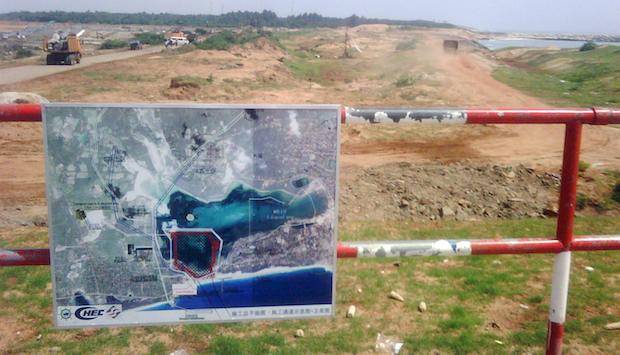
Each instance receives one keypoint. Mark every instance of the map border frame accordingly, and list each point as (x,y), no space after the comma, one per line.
(335,107)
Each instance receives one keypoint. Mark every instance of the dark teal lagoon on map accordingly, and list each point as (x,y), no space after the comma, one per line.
(242,212)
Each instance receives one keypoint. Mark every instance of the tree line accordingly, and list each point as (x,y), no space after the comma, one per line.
(231,19)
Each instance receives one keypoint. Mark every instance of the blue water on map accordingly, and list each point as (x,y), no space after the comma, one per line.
(301,287)
(242,212)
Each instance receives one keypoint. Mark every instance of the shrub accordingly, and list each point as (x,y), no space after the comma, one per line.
(190,81)
(583,166)
(150,37)
(220,41)
(183,49)
(406,45)
(23,53)
(224,40)
(404,80)
(588,46)
(582,201)
(615,194)
(113,43)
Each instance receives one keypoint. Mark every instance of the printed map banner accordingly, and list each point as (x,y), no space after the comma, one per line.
(179,214)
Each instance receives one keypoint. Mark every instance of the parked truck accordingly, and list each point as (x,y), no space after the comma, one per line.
(63,48)
(450,45)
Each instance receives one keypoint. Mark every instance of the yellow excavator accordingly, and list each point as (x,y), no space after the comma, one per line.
(63,48)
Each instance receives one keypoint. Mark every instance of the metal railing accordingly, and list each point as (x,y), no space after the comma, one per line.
(561,245)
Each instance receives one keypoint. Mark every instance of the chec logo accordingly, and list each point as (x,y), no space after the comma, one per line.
(65,313)
(93,312)
(113,311)
(88,313)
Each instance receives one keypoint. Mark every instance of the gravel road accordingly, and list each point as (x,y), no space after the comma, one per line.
(29,72)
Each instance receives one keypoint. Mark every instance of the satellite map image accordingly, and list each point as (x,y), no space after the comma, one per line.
(170,214)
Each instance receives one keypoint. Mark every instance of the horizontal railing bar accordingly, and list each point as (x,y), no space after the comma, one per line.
(24,257)
(20,113)
(404,248)
(446,247)
(596,243)
(596,116)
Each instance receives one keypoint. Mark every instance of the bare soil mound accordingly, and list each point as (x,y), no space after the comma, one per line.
(453,192)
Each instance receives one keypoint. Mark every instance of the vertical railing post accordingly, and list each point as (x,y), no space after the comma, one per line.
(564,233)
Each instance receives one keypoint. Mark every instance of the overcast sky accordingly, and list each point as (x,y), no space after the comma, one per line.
(561,16)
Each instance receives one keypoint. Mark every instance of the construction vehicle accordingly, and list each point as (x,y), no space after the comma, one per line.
(176,39)
(63,48)
(450,45)
(135,45)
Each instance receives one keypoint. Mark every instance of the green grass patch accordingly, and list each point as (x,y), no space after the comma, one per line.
(246,345)
(191,81)
(158,348)
(405,80)
(224,40)
(615,195)
(113,44)
(322,71)
(406,45)
(458,294)
(105,75)
(149,38)
(567,77)
(22,52)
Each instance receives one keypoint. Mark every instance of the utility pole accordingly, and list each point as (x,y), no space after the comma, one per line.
(346,54)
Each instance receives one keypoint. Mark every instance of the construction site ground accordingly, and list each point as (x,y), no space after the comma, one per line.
(397,181)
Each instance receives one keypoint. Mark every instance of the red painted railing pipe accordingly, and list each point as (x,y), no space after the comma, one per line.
(495,247)
(597,116)
(555,334)
(530,116)
(24,257)
(499,246)
(20,113)
(597,243)
(594,116)
(568,187)
(564,234)
(345,251)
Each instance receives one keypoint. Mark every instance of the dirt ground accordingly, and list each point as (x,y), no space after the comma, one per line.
(400,171)
(257,73)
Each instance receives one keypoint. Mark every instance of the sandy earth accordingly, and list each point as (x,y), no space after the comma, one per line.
(466,81)
(457,80)
(379,160)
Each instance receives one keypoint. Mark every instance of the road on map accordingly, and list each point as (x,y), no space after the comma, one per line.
(29,72)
